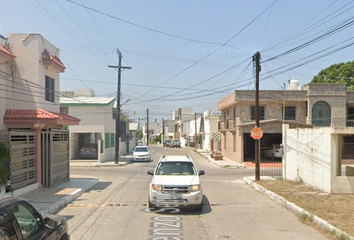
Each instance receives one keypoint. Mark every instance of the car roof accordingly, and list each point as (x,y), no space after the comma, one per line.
(175,158)
(7,200)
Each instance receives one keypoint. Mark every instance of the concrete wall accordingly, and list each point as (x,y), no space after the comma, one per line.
(308,157)
(210,126)
(313,156)
(5,82)
(30,72)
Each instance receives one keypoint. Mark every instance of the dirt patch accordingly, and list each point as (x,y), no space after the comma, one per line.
(337,209)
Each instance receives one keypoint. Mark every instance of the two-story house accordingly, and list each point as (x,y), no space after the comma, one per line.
(315,105)
(30,120)
(97,124)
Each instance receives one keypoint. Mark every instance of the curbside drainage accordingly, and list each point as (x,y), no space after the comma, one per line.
(297,210)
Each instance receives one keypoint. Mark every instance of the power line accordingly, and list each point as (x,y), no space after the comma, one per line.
(316,25)
(146,28)
(72,20)
(71,34)
(229,40)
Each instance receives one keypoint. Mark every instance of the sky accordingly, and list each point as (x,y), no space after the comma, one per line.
(185,54)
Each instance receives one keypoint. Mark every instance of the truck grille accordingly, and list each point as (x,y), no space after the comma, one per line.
(175,189)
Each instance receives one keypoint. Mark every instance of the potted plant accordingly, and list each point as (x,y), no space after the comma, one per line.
(4,173)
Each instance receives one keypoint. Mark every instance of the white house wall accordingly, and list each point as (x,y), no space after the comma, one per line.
(29,68)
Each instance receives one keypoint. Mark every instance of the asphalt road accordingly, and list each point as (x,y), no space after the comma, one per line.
(116,208)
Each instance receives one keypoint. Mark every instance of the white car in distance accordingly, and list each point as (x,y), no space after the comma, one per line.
(141,153)
(175,183)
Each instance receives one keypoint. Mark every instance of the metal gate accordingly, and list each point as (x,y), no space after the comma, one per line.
(22,146)
(55,157)
(269,165)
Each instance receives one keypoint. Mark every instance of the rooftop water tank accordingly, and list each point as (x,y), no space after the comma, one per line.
(294,85)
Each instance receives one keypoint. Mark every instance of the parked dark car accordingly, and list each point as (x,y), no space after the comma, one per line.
(166,143)
(20,220)
(89,151)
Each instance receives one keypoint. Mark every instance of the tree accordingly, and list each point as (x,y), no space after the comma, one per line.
(4,159)
(337,73)
(157,139)
(140,134)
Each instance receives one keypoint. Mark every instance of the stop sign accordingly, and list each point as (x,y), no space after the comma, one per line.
(256,133)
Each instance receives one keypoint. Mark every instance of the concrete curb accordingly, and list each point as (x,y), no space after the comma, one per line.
(299,211)
(68,199)
(221,163)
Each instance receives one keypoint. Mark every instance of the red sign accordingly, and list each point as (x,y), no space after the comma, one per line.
(256,133)
(195,135)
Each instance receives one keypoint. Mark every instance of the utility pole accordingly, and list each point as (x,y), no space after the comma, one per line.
(119,69)
(256,59)
(163,131)
(147,127)
(195,134)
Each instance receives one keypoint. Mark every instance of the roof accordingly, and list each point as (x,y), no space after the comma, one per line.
(275,121)
(5,52)
(54,61)
(38,116)
(175,158)
(86,101)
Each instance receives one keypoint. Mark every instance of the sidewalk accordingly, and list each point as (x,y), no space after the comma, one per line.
(123,161)
(51,200)
(225,163)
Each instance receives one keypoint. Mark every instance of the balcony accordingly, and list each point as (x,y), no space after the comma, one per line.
(350,123)
(222,126)
(230,124)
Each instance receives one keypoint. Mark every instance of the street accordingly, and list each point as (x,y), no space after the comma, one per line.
(116,208)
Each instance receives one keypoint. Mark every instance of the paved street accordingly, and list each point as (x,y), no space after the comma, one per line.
(116,208)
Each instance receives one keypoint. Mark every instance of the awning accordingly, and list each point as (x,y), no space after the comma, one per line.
(38,116)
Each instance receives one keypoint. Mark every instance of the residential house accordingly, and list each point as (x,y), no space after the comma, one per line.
(322,156)
(169,127)
(209,132)
(97,124)
(238,119)
(155,129)
(133,136)
(30,117)
(317,139)
(196,129)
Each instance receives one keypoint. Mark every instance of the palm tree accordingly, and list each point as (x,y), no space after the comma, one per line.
(4,159)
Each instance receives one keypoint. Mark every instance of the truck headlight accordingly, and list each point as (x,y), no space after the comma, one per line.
(194,188)
(156,187)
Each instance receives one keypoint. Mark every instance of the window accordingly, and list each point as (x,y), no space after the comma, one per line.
(28,219)
(106,140)
(260,113)
(49,89)
(290,113)
(112,139)
(321,114)
(234,113)
(7,230)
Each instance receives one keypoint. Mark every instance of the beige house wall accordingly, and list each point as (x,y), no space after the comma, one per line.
(274,101)
(28,86)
